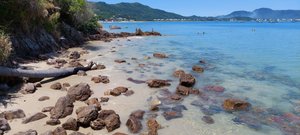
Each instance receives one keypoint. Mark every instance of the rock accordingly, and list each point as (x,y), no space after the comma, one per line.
(117,91)
(182,90)
(139,114)
(47,109)
(178,73)
(66,85)
(112,122)
(63,107)
(86,115)
(37,84)
(194,91)
(153,126)
(129,93)
(28,132)
(81,73)
(187,80)
(202,61)
(43,98)
(98,67)
(28,88)
(118,133)
(134,125)
(4,126)
(160,55)
(154,104)
(235,105)
(136,81)
(80,92)
(61,61)
(13,114)
(157,83)
(104,99)
(49,132)
(208,119)
(97,124)
(53,122)
(103,79)
(198,69)
(51,62)
(74,55)
(56,86)
(59,131)
(168,115)
(214,88)
(34,117)
(105,113)
(71,124)
(75,64)
(95,102)
(175,97)
(77,133)
(120,61)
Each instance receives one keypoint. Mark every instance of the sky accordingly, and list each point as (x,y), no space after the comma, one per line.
(212,7)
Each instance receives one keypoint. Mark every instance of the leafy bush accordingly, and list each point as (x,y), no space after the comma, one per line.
(5,47)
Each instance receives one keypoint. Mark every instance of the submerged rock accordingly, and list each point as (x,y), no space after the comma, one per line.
(160,55)
(153,126)
(136,81)
(178,73)
(187,80)
(34,117)
(214,88)
(208,119)
(13,114)
(168,115)
(120,61)
(182,90)
(139,114)
(129,93)
(134,125)
(63,107)
(157,83)
(80,92)
(235,105)
(198,69)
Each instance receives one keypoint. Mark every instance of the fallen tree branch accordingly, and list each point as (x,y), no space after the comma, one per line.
(10,72)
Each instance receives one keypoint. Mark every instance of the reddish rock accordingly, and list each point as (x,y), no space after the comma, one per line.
(235,105)
(175,97)
(71,124)
(97,124)
(160,55)
(86,115)
(63,107)
(139,114)
(80,92)
(198,69)
(178,73)
(13,114)
(34,117)
(56,86)
(182,90)
(103,79)
(214,88)
(117,91)
(112,122)
(53,122)
(95,102)
(187,80)
(195,92)
(168,115)
(153,126)
(43,98)
(134,125)
(105,113)
(157,83)
(59,131)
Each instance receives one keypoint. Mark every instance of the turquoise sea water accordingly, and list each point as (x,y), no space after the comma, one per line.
(256,62)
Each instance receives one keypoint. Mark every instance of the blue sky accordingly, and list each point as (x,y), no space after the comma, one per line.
(212,7)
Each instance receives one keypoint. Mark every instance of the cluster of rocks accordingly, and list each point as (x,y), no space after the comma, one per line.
(100,79)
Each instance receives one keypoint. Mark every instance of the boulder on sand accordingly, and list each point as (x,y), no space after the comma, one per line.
(117,91)
(28,88)
(86,115)
(80,92)
(13,114)
(56,86)
(71,124)
(63,107)
(34,117)
(4,126)
(134,125)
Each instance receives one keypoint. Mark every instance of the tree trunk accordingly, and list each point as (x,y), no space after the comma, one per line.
(10,72)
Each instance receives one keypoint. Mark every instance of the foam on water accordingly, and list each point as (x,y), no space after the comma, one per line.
(256,62)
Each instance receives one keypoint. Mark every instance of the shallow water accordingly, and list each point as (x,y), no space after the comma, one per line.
(257,62)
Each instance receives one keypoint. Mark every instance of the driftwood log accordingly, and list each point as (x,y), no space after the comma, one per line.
(10,72)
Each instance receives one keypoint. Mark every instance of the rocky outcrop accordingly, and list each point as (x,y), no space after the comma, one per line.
(63,107)
(80,92)
(157,83)
(34,117)
(235,105)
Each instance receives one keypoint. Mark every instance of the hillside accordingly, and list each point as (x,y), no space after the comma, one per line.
(265,13)
(134,11)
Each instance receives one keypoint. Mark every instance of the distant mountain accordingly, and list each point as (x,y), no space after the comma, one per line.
(134,11)
(265,13)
